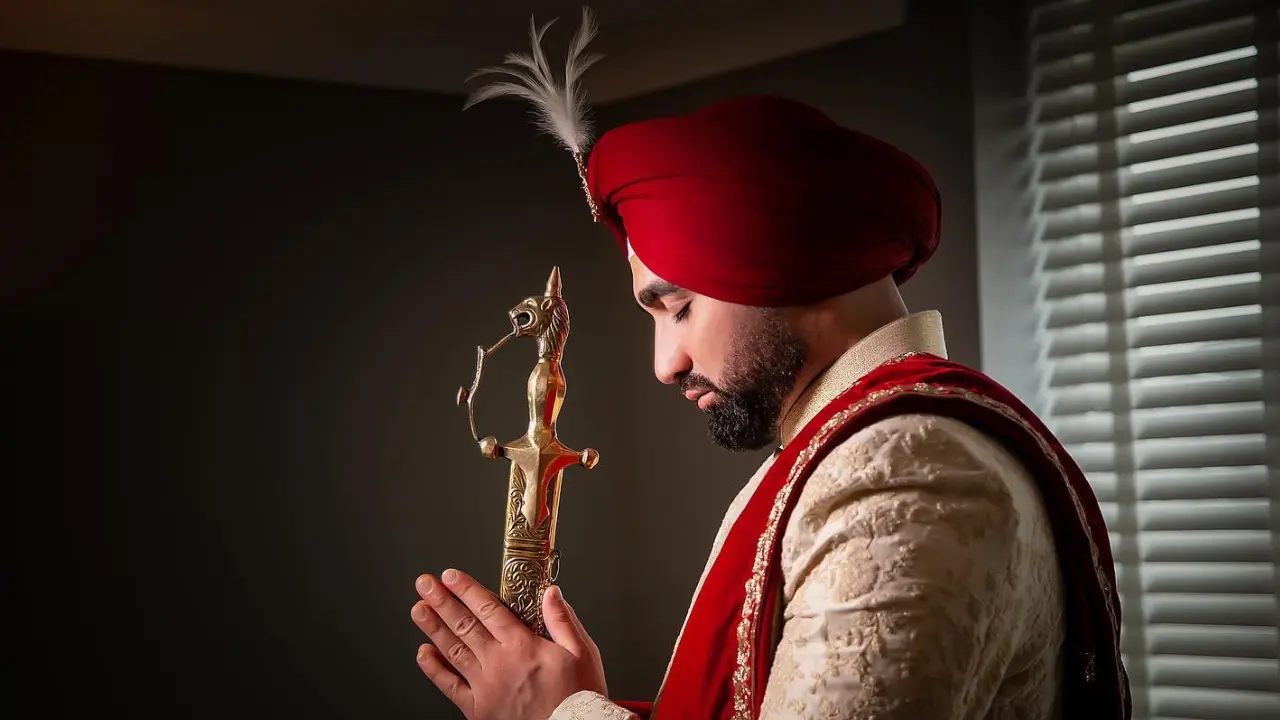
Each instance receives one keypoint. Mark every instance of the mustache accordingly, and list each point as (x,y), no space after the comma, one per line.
(693,381)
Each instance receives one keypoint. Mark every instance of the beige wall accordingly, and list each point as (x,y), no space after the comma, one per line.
(235,312)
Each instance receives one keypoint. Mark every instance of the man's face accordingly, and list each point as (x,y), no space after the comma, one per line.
(738,363)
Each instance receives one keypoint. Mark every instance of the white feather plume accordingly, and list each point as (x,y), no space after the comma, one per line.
(560,109)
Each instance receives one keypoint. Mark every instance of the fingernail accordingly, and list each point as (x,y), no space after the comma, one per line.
(422,652)
(425,584)
(555,593)
(449,576)
(419,612)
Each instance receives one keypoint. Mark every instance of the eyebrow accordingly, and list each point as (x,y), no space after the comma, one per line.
(655,291)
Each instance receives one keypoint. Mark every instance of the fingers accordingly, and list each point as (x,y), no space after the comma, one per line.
(462,621)
(454,651)
(562,623)
(454,630)
(433,665)
(574,614)
(582,630)
(496,620)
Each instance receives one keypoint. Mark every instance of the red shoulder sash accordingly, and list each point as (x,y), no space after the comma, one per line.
(721,666)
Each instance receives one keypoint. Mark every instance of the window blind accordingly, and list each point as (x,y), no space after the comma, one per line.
(1157,184)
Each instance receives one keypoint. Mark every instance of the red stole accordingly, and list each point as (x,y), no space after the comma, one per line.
(721,666)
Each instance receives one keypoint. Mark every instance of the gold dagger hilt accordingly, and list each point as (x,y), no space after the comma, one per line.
(538,459)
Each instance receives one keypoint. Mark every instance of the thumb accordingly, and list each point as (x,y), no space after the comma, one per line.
(562,623)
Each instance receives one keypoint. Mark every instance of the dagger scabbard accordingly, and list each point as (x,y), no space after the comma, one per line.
(537,459)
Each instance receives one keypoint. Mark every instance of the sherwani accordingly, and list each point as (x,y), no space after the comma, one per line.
(919,575)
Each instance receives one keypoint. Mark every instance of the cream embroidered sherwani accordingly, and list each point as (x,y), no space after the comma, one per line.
(920,577)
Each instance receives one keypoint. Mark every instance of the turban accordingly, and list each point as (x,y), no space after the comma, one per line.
(763,201)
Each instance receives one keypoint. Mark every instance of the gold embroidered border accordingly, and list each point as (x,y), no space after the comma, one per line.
(742,675)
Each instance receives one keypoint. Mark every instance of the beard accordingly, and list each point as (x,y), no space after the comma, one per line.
(760,371)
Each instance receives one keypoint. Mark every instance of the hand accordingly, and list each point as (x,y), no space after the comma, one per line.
(489,663)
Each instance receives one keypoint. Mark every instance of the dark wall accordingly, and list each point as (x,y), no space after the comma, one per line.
(238,318)
(1004,171)
(234,315)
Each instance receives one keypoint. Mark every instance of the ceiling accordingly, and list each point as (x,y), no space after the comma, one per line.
(648,44)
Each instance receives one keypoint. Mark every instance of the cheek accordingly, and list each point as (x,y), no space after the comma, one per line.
(709,341)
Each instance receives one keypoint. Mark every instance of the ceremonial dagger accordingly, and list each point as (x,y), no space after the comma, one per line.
(530,560)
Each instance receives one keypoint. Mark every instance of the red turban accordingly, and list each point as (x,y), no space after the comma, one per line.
(764,201)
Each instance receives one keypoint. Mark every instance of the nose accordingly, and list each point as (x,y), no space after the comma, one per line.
(670,361)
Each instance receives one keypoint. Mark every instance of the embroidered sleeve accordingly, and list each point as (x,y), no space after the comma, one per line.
(587,705)
(909,582)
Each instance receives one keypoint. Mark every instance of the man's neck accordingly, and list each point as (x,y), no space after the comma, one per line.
(826,348)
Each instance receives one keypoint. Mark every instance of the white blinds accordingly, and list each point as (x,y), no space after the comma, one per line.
(1158,208)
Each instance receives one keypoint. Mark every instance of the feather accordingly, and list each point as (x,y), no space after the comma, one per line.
(559,109)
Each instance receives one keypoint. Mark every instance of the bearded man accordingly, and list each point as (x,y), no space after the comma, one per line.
(918,545)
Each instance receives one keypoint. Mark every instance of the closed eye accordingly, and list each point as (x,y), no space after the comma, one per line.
(682,313)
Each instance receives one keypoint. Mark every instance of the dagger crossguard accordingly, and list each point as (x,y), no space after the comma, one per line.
(538,459)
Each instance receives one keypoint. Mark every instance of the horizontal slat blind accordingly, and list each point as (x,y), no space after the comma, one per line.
(1158,192)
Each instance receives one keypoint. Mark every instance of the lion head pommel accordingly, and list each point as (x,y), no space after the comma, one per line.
(544,317)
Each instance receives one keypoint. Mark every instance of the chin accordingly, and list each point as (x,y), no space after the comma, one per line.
(739,438)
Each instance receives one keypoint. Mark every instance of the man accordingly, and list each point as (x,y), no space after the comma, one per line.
(918,546)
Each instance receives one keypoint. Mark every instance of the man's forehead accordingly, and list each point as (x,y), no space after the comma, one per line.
(648,287)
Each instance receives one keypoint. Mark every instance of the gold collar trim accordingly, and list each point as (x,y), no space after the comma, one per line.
(919,332)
